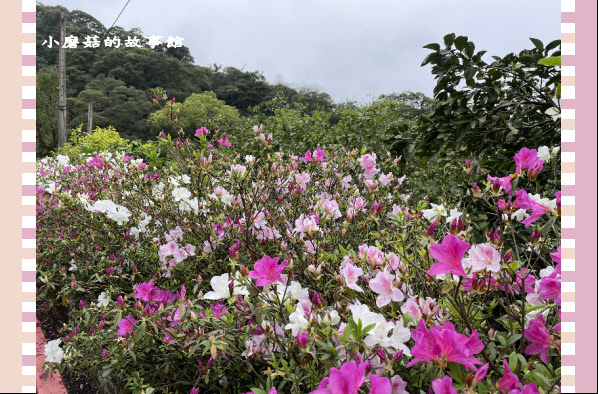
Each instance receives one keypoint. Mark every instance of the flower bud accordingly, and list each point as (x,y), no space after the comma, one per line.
(302,338)
(81,304)
(397,356)
(73,283)
(105,354)
(476,190)
(138,306)
(535,237)
(432,227)
(120,303)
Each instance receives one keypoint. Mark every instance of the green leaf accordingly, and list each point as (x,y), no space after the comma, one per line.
(538,44)
(539,378)
(513,339)
(367,329)
(551,61)
(149,390)
(139,332)
(552,45)
(449,39)
(456,372)
(470,72)
(513,360)
(547,227)
(433,46)
(460,42)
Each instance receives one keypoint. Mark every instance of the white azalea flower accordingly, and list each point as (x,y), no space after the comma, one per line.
(434,212)
(103,300)
(297,321)
(53,352)
(220,286)
(181,193)
(544,153)
(454,214)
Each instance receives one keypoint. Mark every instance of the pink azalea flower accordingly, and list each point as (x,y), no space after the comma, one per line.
(194,390)
(319,155)
(224,140)
(380,385)
(485,257)
(201,131)
(526,159)
(509,380)
(504,182)
(351,274)
(481,374)
(556,257)
(307,156)
(449,255)
(126,326)
(550,288)
(347,380)
(523,201)
(443,344)
(539,337)
(530,388)
(267,270)
(398,385)
(444,386)
(382,285)
(145,291)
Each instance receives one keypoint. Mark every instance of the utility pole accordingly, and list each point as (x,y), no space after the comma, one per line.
(89,117)
(62,81)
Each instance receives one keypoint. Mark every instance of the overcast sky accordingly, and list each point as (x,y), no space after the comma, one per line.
(351,49)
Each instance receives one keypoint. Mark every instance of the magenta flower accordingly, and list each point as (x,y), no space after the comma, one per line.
(302,338)
(509,380)
(526,159)
(539,337)
(556,257)
(550,288)
(320,154)
(224,140)
(505,182)
(481,374)
(443,344)
(380,385)
(530,388)
(444,386)
(382,285)
(201,131)
(347,380)
(218,310)
(194,390)
(267,270)
(105,353)
(449,255)
(126,326)
(145,291)
(523,201)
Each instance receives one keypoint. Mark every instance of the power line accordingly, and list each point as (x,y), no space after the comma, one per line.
(121,11)
(108,31)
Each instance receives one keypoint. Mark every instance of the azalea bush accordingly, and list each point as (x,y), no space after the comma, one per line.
(299,273)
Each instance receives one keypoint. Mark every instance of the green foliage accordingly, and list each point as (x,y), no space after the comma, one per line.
(194,113)
(124,107)
(488,110)
(46,110)
(101,140)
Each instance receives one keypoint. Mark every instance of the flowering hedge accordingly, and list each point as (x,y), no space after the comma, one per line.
(310,273)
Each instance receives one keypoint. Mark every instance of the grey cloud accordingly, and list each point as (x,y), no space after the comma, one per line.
(349,48)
